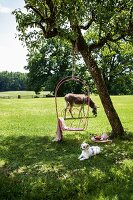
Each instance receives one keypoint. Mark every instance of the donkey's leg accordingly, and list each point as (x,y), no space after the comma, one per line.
(67,105)
(80,110)
(70,110)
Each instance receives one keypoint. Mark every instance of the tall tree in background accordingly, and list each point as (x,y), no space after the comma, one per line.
(116,64)
(52,61)
(110,20)
(48,64)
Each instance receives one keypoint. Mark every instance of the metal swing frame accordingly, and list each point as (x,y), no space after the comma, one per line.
(60,83)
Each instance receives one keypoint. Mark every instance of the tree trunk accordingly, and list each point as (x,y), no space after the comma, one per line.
(117,128)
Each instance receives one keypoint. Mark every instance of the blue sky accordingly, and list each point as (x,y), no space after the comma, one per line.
(12,53)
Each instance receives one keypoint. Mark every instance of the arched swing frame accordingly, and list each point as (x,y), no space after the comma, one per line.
(76,79)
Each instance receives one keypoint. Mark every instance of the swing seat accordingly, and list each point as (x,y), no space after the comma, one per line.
(66,128)
(61,126)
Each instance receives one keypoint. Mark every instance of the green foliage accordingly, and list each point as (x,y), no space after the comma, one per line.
(34,167)
(53,61)
(116,66)
(108,19)
(12,81)
(48,64)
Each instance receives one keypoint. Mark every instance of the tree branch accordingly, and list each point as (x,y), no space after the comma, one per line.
(100,43)
(104,40)
(36,11)
(48,29)
(86,26)
(89,23)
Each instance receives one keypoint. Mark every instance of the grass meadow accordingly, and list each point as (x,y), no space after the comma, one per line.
(33,167)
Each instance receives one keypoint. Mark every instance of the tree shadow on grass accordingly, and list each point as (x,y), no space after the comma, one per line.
(36,168)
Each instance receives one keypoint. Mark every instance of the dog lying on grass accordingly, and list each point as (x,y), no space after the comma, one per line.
(88,151)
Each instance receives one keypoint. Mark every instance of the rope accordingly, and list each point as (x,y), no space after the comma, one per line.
(74,50)
(73,62)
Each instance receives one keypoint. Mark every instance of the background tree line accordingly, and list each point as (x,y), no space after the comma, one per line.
(13,81)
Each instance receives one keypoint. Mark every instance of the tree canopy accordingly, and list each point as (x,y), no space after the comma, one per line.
(49,64)
(108,20)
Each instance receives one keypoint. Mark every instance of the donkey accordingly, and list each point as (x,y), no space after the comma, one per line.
(80,100)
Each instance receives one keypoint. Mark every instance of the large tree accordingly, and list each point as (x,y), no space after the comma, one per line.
(110,20)
(48,64)
(116,63)
(52,61)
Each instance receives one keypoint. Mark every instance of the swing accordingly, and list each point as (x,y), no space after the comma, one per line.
(70,123)
(79,120)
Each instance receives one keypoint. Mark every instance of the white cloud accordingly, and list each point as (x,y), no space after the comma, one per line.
(4,9)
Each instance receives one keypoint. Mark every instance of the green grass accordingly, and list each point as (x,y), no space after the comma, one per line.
(34,167)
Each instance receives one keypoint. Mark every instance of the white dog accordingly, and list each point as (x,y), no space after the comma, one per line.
(88,151)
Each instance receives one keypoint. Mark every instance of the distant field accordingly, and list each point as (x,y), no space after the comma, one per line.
(34,167)
(23,94)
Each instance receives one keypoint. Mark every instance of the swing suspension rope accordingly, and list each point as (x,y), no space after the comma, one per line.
(74,51)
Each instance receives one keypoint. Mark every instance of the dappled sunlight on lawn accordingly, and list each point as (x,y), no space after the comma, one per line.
(36,163)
